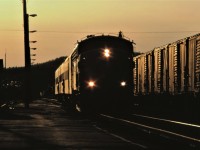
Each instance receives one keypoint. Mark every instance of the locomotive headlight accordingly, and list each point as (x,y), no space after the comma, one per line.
(123,83)
(106,52)
(91,84)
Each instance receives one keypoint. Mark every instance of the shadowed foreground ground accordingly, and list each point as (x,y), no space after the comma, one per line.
(46,126)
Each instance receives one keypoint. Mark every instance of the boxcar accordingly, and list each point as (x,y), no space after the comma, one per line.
(172,69)
(167,79)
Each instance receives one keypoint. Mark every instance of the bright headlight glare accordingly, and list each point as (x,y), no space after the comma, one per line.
(123,83)
(107,53)
(91,84)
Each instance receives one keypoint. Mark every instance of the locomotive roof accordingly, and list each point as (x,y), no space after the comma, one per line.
(101,36)
(98,38)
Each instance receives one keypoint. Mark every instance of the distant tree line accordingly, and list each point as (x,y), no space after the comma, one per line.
(12,81)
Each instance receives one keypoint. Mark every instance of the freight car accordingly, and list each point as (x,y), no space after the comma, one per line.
(98,75)
(171,69)
(170,73)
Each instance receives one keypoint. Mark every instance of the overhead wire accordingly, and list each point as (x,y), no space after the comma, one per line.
(139,32)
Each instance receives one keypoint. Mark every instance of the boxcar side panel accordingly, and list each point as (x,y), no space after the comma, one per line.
(149,72)
(135,76)
(141,74)
(156,71)
(191,67)
(197,67)
(152,72)
(165,69)
(171,70)
(183,66)
(145,85)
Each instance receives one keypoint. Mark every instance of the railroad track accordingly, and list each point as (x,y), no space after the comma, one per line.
(182,129)
(148,132)
(155,132)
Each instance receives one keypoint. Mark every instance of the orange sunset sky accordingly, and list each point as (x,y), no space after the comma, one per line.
(60,23)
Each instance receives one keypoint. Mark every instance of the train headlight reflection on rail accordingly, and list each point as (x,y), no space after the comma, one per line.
(106,52)
(123,83)
(91,84)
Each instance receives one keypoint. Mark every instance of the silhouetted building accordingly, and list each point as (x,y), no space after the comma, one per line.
(1,64)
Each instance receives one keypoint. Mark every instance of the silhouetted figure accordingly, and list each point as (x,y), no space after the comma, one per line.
(121,34)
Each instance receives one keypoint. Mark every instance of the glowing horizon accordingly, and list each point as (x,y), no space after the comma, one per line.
(60,23)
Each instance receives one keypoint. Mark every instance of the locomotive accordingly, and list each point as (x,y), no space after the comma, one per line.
(98,75)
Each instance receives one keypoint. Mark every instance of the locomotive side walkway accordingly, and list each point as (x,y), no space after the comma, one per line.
(46,126)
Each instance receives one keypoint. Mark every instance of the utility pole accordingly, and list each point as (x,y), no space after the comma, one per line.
(27,88)
(26,36)
(5,60)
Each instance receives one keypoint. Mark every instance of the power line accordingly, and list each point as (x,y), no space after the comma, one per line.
(138,32)
(9,30)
